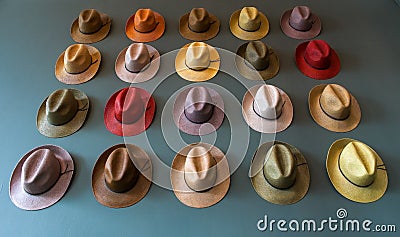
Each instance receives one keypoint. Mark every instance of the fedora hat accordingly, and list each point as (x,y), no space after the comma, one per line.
(62,113)
(196,107)
(255,60)
(91,26)
(356,171)
(41,177)
(317,60)
(145,26)
(200,175)
(77,64)
(267,109)
(249,24)
(137,63)
(300,23)
(129,111)
(197,62)
(279,173)
(199,25)
(121,176)
(334,108)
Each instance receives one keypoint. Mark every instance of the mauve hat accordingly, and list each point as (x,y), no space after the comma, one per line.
(145,26)
(200,175)
(137,63)
(356,171)
(334,108)
(129,111)
(199,25)
(279,173)
(198,110)
(267,109)
(300,23)
(91,26)
(317,60)
(77,64)
(62,113)
(41,177)
(249,24)
(257,61)
(121,176)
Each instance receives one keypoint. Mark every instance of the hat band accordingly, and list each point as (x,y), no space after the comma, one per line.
(277,117)
(143,69)
(92,32)
(202,69)
(75,73)
(294,181)
(303,30)
(155,26)
(319,65)
(209,25)
(342,119)
(212,112)
(250,30)
(251,66)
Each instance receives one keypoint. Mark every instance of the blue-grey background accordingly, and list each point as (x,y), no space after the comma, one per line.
(365,34)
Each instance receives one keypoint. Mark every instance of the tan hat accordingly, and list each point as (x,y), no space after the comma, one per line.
(356,171)
(199,25)
(197,62)
(334,108)
(91,26)
(121,176)
(77,64)
(200,175)
(145,26)
(249,24)
(279,173)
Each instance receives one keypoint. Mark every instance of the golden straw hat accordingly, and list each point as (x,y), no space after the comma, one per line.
(249,24)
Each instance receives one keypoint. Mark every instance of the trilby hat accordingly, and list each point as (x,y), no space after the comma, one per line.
(300,23)
(249,24)
(145,26)
(91,26)
(199,25)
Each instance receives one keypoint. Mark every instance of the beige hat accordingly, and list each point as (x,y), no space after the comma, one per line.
(91,26)
(249,24)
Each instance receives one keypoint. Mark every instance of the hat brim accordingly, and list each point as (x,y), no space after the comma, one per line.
(347,189)
(327,122)
(30,202)
(120,129)
(82,38)
(289,31)
(319,74)
(193,75)
(200,199)
(261,124)
(50,130)
(112,199)
(131,77)
(187,33)
(274,195)
(153,35)
(248,35)
(249,72)
(68,78)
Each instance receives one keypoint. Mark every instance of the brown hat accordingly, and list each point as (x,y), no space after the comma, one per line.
(62,113)
(279,173)
(121,176)
(137,63)
(255,60)
(267,109)
(249,24)
(334,108)
(91,26)
(77,64)
(200,175)
(145,26)
(41,177)
(300,23)
(199,25)
(356,171)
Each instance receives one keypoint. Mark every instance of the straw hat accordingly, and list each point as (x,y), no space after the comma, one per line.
(137,63)
(356,171)
(199,25)
(145,26)
(300,23)
(121,176)
(334,108)
(77,64)
(62,113)
(200,175)
(91,26)
(279,173)
(249,24)
(267,109)
(41,177)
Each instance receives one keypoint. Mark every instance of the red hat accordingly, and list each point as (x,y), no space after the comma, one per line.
(316,59)
(129,111)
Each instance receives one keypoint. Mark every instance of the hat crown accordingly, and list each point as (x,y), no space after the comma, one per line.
(199,20)
(120,173)
(197,56)
(145,20)
(249,19)
(40,171)
(77,59)
(199,106)
(257,54)
(300,18)
(137,57)
(317,54)
(268,102)
(129,106)
(61,107)
(89,21)
(358,163)
(335,101)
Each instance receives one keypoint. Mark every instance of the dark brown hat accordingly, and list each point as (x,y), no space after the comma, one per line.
(199,25)
(91,26)
(300,23)
(145,26)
